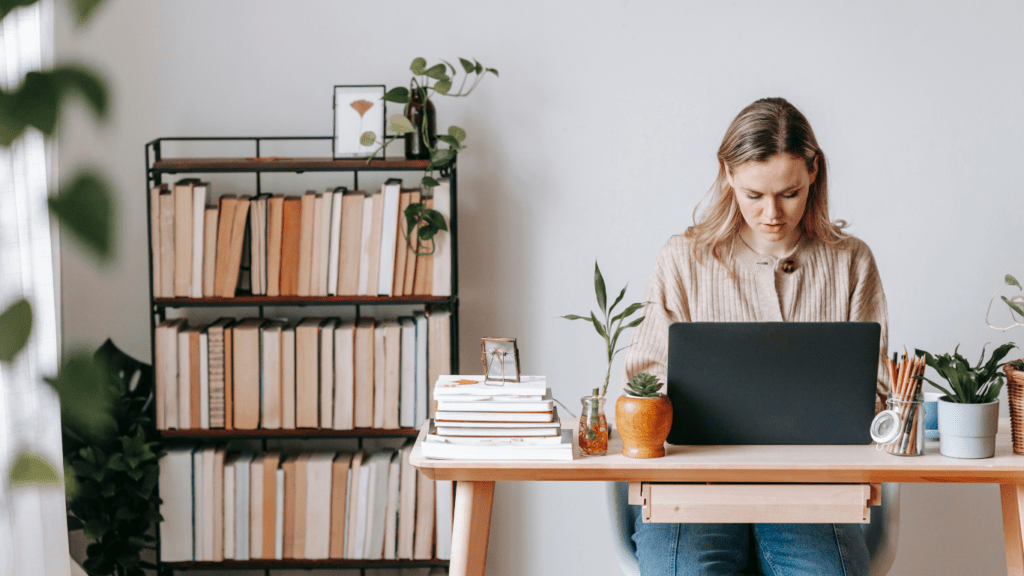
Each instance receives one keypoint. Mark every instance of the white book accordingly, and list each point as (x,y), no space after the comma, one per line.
(362,496)
(327,374)
(458,384)
(256,507)
(229,507)
(242,498)
(502,425)
(200,507)
(421,369)
(325,242)
(451,431)
(279,519)
(363,288)
(407,378)
(318,224)
(184,383)
(388,237)
(288,377)
(512,452)
(169,365)
(208,502)
(176,491)
(200,192)
(380,465)
(442,416)
(379,373)
(407,504)
(444,502)
(270,375)
(443,241)
(318,506)
(470,403)
(332,256)
(344,377)
(391,512)
(348,497)
(204,380)
(553,440)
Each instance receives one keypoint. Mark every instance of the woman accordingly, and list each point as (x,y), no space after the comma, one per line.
(763,251)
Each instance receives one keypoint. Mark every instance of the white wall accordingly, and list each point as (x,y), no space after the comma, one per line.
(596,142)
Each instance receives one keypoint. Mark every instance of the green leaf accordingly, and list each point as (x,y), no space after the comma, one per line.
(85,208)
(437,72)
(418,65)
(1010,280)
(602,298)
(7,5)
(1013,306)
(493,71)
(15,327)
(368,138)
(85,399)
(478,68)
(618,299)
(84,9)
(398,95)
(467,65)
(428,182)
(70,483)
(442,156)
(449,141)
(34,470)
(635,323)
(575,317)
(631,309)
(442,86)
(401,125)
(597,326)
(434,219)
(457,133)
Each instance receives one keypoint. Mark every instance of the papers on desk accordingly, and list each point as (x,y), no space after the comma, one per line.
(513,448)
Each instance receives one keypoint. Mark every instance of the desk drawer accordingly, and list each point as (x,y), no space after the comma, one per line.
(754,503)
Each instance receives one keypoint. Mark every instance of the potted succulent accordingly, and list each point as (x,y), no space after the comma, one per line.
(643,416)
(969,410)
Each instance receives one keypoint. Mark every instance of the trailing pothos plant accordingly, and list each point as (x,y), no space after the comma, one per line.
(428,81)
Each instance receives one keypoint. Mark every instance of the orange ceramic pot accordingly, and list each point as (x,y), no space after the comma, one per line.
(643,425)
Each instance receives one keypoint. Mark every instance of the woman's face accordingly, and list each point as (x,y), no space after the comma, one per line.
(772,195)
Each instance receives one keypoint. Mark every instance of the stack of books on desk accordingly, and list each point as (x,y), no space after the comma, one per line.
(478,420)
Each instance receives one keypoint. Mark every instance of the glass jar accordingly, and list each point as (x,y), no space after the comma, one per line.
(900,428)
(593,434)
(415,149)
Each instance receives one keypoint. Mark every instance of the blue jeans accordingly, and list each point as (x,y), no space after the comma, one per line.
(732,549)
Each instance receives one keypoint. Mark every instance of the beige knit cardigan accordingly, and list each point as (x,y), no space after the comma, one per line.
(829,284)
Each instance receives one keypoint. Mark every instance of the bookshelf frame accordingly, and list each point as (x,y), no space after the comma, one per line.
(157,168)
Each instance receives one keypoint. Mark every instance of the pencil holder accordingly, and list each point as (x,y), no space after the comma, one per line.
(910,439)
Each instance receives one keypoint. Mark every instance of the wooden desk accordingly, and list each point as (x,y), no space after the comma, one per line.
(726,464)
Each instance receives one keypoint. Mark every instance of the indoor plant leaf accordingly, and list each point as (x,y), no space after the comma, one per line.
(73,79)
(401,125)
(398,95)
(85,208)
(34,470)
(84,9)
(575,317)
(7,5)
(617,300)
(449,140)
(457,133)
(437,72)
(1010,280)
(429,182)
(442,86)
(1013,305)
(602,297)
(492,71)
(418,66)
(597,325)
(82,384)
(368,138)
(15,328)
(467,65)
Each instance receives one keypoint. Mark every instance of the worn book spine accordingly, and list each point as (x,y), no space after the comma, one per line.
(182,239)
(216,354)
(306,243)
(291,233)
(401,245)
(275,230)
(209,252)
(409,279)
(167,235)
(225,220)
(154,239)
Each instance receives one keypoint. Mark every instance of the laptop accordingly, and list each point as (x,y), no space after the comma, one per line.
(772,382)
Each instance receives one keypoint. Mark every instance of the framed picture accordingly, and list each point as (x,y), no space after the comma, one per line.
(357,109)
(501,359)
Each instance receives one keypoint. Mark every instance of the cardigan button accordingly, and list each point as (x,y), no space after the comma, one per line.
(788,266)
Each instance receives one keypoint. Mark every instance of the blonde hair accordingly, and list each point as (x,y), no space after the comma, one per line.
(763,129)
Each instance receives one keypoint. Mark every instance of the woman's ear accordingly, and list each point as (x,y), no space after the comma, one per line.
(728,174)
(814,169)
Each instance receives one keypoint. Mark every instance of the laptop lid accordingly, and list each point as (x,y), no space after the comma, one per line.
(772,382)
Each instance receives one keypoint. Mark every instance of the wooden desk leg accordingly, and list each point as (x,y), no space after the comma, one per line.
(1012,496)
(471,528)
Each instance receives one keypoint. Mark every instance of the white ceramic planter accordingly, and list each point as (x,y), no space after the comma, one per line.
(968,430)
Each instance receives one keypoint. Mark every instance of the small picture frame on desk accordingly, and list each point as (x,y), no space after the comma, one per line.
(500,358)
(357,109)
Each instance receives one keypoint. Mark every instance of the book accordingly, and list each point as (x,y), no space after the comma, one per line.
(496,432)
(307,373)
(401,244)
(204,379)
(275,233)
(441,448)
(438,350)
(446,416)
(218,504)
(229,377)
(476,403)
(323,267)
(183,237)
(225,222)
(271,464)
(327,364)
(442,272)
(364,373)
(490,441)
(318,237)
(445,514)
(239,228)
(301,506)
(355,488)
(344,375)
(305,254)
(257,243)
(200,192)
(291,232)
(407,374)
(422,373)
(184,380)
(246,361)
(379,372)
(424,281)
(166,370)
(407,503)
(409,279)
(209,251)
(554,424)
(339,501)
(423,540)
(458,385)
(376,504)
(373,255)
(366,231)
(335,246)
(270,374)
(199,507)
(389,235)
(318,506)
(288,524)
(218,366)
(228,547)
(176,508)
(168,230)
(242,496)
(154,237)
(194,382)
(256,522)
(392,373)
(288,376)
(391,511)
(279,519)
(351,237)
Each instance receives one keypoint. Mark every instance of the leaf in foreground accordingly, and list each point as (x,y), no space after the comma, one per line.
(85,208)
(83,385)
(34,470)
(15,327)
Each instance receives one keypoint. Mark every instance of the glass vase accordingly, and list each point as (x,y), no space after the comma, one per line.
(593,434)
(415,149)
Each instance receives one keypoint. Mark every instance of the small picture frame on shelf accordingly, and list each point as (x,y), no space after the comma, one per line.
(500,359)
(357,109)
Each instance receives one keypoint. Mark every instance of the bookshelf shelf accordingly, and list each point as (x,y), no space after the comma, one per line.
(300,301)
(297,433)
(278,164)
(304,564)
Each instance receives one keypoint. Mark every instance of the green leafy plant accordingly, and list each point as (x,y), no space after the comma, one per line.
(426,82)
(116,475)
(612,327)
(644,385)
(1015,304)
(969,384)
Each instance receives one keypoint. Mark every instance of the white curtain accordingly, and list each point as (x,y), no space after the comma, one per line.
(33,528)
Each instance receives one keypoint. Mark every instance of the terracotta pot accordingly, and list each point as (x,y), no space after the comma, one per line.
(643,424)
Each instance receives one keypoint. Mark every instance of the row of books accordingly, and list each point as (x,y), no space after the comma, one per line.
(476,419)
(339,242)
(323,373)
(220,505)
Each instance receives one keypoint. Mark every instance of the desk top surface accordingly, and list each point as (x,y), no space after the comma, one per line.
(812,464)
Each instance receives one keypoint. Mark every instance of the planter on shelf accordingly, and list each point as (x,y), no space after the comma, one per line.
(968,430)
(643,417)
(415,143)
(1015,396)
